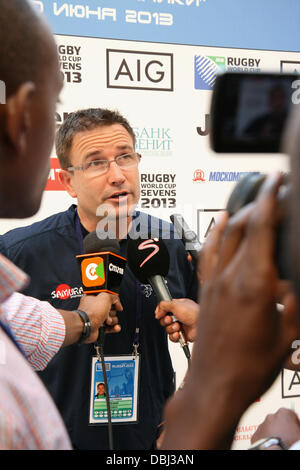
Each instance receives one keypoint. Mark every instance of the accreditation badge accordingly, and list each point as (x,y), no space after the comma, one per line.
(122,374)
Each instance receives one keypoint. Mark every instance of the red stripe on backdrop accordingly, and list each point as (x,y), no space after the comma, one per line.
(53,183)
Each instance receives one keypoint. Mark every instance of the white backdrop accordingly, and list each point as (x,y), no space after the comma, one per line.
(177,162)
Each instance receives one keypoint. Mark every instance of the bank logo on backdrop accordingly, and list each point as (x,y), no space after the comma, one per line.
(206,70)
(139,70)
(290,66)
(154,141)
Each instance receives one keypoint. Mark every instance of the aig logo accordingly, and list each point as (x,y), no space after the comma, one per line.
(290,383)
(139,70)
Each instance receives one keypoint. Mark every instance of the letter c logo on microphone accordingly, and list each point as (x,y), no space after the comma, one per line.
(92,272)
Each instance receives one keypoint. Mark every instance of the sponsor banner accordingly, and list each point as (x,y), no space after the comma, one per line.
(165,21)
(199,176)
(206,70)
(70,60)
(208,67)
(158,190)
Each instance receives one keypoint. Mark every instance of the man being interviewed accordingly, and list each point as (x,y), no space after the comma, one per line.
(96,150)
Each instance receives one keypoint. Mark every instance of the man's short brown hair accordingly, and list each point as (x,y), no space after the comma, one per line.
(81,121)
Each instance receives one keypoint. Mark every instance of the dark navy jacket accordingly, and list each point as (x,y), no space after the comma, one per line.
(46,251)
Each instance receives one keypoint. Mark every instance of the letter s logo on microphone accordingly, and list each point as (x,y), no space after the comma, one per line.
(149,244)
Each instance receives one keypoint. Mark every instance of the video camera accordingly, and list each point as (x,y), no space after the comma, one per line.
(249,113)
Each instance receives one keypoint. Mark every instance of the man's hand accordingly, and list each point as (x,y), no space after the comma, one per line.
(284,424)
(186,312)
(102,310)
(242,339)
(240,324)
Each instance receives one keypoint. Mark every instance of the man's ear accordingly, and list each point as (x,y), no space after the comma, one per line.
(18,116)
(65,178)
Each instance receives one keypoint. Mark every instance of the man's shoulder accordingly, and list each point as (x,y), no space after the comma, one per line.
(59,222)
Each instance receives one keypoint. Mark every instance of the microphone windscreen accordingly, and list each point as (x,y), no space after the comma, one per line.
(93,244)
(148,258)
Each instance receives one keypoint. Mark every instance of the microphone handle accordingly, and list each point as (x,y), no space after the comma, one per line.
(162,292)
(160,288)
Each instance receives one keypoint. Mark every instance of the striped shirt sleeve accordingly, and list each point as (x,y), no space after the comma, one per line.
(37,326)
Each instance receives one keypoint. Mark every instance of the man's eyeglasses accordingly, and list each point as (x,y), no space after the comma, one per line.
(100,167)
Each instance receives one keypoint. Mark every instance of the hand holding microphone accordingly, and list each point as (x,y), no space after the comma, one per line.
(102,310)
(186,311)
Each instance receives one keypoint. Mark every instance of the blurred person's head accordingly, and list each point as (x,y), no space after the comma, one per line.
(29,70)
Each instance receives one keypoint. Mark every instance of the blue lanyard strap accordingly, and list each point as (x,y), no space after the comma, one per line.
(136,340)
